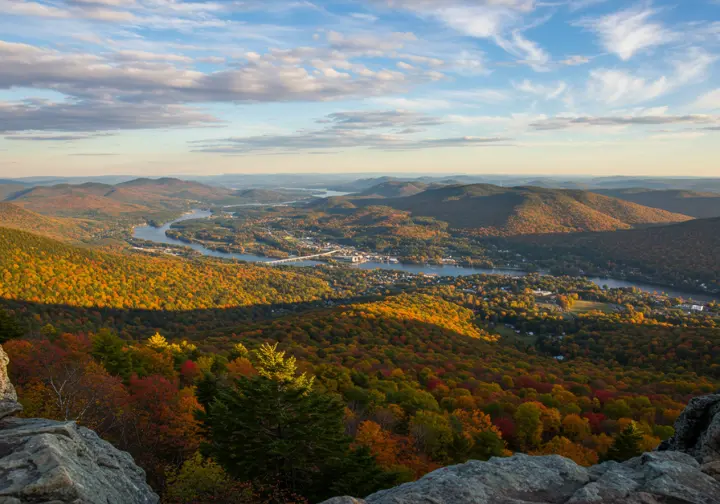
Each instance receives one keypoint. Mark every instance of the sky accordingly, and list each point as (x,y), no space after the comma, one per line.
(159,87)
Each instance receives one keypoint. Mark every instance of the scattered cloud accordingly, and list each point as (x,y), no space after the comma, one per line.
(614,86)
(628,32)
(48,138)
(708,101)
(575,60)
(559,123)
(547,92)
(384,130)
(92,116)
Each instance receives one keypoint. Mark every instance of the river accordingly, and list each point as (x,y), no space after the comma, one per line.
(158,235)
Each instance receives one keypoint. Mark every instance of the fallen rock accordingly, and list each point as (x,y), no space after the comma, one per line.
(44,461)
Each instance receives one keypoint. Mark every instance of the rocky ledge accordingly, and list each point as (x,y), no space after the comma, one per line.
(48,462)
(684,470)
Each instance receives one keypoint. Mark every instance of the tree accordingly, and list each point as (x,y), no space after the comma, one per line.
(9,327)
(529,426)
(563,446)
(475,436)
(110,351)
(202,480)
(274,429)
(575,427)
(273,365)
(432,433)
(627,444)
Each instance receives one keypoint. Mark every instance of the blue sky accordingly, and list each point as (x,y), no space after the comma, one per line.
(447,86)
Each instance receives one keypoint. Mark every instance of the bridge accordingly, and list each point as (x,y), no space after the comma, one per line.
(304,258)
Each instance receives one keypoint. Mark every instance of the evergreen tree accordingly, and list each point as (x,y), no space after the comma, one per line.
(627,444)
(110,351)
(9,327)
(274,430)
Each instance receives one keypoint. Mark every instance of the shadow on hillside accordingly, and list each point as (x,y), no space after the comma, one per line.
(139,323)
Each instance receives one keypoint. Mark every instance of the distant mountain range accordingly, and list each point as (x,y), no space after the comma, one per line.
(493,210)
(696,204)
(132,199)
(358,182)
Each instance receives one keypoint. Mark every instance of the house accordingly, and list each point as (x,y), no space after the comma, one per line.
(355,259)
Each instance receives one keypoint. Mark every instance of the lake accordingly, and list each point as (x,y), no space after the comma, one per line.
(158,235)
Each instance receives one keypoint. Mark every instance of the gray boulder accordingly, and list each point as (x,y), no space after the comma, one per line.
(49,462)
(43,461)
(684,470)
(697,431)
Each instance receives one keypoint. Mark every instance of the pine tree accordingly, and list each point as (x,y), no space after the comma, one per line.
(627,444)
(110,351)
(274,430)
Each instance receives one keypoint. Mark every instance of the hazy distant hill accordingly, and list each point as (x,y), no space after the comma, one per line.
(8,189)
(495,210)
(395,189)
(85,200)
(695,204)
(270,196)
(132,199)
(668,254)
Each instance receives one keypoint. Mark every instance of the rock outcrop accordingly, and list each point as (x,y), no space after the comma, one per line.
(684,470)
(8,397)
(697,433)
(49,462)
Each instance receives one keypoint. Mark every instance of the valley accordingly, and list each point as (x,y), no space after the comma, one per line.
(471,335)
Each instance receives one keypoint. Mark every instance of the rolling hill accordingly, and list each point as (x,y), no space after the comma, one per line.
(696,204)
(681,255)
(493,210)
(394,189)
(135,199)
(15,217)
(41,270)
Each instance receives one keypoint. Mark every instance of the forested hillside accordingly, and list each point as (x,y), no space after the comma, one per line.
(130,201)
(492,210)
(394,189)
(15,217)
(45,271)
(342,381)
(679,254)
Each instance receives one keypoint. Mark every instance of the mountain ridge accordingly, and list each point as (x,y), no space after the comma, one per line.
(487,209)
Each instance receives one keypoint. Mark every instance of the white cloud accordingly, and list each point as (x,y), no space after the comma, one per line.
(708,101)
(544,91)
(497,20)
(413,103)
(384,130)
(568,122)
(630,31)
(616,87)
(575,60)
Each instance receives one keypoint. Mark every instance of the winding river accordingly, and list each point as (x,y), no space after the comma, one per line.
(158,235)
